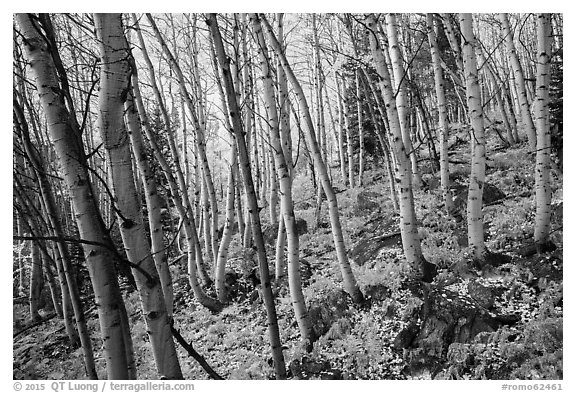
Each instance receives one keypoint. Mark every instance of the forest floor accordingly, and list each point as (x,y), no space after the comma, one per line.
(498,322)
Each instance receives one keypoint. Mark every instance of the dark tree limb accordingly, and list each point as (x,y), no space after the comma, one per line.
(192,352)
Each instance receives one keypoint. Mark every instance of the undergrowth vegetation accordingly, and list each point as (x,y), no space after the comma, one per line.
(378,340)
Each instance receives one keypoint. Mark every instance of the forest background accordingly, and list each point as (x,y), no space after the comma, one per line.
(567,186)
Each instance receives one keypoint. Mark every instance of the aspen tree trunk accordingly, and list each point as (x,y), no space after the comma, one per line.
(320,121)
(280,266)
(341,130)
(277,355)
(206,221)
(361,152)
(53,286)
(68,310)
(442,115)
(543,143)
(334,128)
(350,283)
(220,273)
(153,202)
(232,190)
(286,140)
(36,282)
(273,204)
(248,117)
(114,88)
(239,209)
(199,127)
(294,280)
(66,305)
(408,224)
(520,81)
(349,147)
(99,258)
(21,266)
(264,174)
(478,153)
(451,34)
(401,96)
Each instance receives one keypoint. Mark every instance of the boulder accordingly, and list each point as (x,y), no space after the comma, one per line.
(368,248)
(325,311)
(484,295)
(366,202)
(380,232)
(301,226)
(446,317)
(270,231)
(490,194)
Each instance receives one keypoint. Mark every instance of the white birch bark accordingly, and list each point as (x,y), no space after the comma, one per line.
(442,114)
(519,79)
(114,85)
(543,142)
(408,224)
(478,141)
(294,280)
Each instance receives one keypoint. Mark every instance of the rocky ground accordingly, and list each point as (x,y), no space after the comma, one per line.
(503,321)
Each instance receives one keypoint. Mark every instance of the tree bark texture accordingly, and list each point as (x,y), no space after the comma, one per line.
(72,159)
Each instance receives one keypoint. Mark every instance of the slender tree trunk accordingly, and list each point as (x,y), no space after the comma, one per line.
(442,115)
(361,151)
(349,147)
(273,204)
(286,140)
(220,273)
(342,123)
(543,145)
(350,283)
(477,175)
(520,81)
(273,331)
(153,203)
(21,266)
(36,282)
(408,225)
(99,258)
(53,286)
(401,97)
(114,88)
